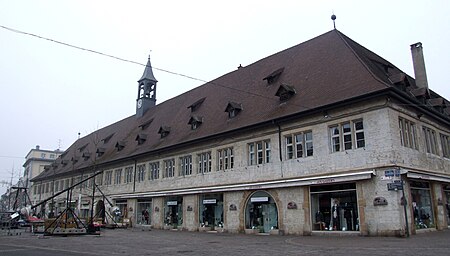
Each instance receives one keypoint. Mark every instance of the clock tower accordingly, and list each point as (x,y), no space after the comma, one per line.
(146,91)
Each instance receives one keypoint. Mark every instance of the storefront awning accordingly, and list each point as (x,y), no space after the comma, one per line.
(427,176)
(284,183)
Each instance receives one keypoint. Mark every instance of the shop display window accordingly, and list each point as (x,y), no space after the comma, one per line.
(421,205)
(334,208)
(211,210)
(144,210)
(447,203)
(173,211)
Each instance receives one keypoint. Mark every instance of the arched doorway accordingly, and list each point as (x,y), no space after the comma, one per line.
(100,210)
(261,212)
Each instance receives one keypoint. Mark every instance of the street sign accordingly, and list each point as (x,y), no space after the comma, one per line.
(395,186)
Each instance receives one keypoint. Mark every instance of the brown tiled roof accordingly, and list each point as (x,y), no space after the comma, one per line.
(325,70)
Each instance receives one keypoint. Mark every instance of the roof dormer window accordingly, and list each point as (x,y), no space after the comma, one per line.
(438,104)
(195,122)
(86,155)
(164,131)
(74,159)
(120,145)
(196,105)
(233,109)
(141,138)
(273,77)
(285,92)
(100,151)
(64,162)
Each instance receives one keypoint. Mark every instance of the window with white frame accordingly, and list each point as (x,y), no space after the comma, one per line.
(154,171)
(47,187)
(408,136)
(299,145)
(169,168)
(430,140)
(225,159)
(204,162)
(129,174)
(185,165)
(140,172)
(57,186)
(259,152)
(108,177)
(118,176)
(347,136)
(99,179)
(445,143)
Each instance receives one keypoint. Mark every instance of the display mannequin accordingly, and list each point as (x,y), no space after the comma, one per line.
(335,215)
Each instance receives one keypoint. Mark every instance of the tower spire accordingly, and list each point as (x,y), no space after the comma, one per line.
(146,90)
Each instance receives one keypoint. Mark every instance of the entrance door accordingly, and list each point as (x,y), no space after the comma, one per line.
(269,217)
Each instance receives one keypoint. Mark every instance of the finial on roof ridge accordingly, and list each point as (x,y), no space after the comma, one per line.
(333,17)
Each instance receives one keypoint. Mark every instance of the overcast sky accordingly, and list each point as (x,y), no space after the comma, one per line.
(50,92)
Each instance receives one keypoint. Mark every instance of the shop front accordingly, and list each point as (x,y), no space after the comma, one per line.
(422,206)
(173,211)
(144,212)
(211,211)
(334,207)
(261,213)
(447,202)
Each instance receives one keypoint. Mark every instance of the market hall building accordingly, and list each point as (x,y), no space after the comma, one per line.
(317,138)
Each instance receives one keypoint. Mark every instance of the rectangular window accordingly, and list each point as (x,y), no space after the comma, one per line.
(140,172)
(445,143)
(154,171)
(67,184)
(303,140)
(251,154)
(47,187)
(56,186)
(262,154)
(128,174)
(99,179)
(185,165)
(430,140)
(34,190)
(347,136)
(169,168)
(408,136)
(204,162)
(108,177)
(225,158)
(61,184)
(118,176)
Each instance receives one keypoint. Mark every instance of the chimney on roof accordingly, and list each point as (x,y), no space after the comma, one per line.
(38,147)
(419,65)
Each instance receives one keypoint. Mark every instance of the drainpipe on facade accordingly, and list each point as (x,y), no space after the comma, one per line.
(279,146)
(134,176)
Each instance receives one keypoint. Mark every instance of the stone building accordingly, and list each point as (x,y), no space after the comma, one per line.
(323,137)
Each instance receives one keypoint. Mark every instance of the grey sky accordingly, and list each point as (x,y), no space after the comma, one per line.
(50,92)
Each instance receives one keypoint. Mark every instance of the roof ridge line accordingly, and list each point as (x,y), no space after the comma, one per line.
(360,59)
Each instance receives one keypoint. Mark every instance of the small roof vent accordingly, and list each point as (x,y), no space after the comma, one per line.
(146,124)
(107,138)
(86,155)
(196,104)
(273,77)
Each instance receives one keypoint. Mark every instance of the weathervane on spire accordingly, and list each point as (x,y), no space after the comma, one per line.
(333,17)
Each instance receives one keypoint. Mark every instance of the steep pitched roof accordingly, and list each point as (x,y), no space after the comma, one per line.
(323,71)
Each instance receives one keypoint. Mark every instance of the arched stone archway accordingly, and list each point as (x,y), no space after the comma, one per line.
(261,212)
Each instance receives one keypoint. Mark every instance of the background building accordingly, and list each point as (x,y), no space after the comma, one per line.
(312,139)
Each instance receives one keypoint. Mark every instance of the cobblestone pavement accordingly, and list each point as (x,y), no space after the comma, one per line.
(163,242)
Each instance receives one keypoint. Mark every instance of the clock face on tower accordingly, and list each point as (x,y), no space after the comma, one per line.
(139,103)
